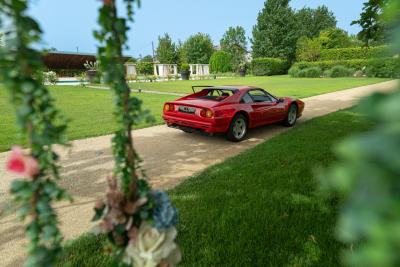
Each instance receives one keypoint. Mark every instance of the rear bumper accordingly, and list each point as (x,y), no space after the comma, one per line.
(213,126)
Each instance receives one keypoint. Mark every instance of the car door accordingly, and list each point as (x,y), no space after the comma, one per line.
(266,108)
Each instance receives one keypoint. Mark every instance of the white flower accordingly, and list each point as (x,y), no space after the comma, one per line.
(153,247)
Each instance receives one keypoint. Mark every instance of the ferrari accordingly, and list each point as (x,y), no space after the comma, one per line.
(231,110)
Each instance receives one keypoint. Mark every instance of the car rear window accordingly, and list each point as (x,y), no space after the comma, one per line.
(217,94)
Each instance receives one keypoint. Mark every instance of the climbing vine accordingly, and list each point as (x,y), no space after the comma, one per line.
(41,126)
(138,222)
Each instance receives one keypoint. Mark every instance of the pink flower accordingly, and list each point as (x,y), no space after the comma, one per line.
(22,164)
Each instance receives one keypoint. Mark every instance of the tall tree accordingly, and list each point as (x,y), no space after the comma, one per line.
(166,50)
(312,21)
(198,49)
(234,42)
(374,30)
(275,34)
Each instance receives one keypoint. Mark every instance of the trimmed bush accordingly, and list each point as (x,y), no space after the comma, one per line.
(354,53)
(339,71)
(384,68)
(220,62)
(313,72)
(145,68)
(294,71)
(357,64)
(269,66)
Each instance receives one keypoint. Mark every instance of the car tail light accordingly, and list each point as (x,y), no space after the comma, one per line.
(169,107)
(207,113)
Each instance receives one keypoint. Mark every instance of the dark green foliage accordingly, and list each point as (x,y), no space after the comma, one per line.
(220,62)
(275,34)
(166,50)
(388,68)
(339,71)
(312,21)
(198,49)
(145,68)
(147,58)
(354,53)
(374,29)
(269,66)
(234,42)
(282,222)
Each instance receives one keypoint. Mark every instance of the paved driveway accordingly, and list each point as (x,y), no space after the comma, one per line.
(169,156)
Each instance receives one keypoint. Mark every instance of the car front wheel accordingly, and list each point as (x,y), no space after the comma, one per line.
(291,116)
(237,129)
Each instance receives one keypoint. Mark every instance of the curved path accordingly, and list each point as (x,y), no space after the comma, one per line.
(169,157)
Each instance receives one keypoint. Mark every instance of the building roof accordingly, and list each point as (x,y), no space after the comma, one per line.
(69,60)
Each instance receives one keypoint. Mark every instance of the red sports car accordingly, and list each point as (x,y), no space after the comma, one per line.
(231,110)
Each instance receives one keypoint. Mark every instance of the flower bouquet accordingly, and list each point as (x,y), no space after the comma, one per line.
(141,228)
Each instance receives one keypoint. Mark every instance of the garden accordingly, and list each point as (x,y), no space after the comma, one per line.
(321,194)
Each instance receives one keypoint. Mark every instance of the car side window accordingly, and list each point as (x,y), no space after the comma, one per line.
(246,99)
(259,96)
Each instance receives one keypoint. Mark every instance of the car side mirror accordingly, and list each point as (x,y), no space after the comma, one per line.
(281,100)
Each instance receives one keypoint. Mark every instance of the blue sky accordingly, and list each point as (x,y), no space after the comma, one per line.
(68,24)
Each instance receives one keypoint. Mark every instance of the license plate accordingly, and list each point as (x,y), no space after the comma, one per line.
(187,109)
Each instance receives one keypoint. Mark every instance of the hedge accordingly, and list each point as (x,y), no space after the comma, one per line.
(269,66)
(354,53)
(377,67)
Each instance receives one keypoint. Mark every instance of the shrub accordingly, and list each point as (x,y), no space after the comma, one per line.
(294,71)
(339,71)
(50,77)
(384,68)
(145,68)
(354,53)
(357,64)
(220,62)
(313,72)
(269,66)
(185,67)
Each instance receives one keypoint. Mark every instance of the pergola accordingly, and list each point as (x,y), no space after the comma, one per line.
(164,70)
(197,70)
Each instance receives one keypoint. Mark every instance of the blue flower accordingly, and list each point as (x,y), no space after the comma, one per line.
(164,214)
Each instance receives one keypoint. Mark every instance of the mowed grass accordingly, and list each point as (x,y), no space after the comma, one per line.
(260,208)
(89,111)
(277,85)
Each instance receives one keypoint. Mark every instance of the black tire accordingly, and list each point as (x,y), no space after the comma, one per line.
(187,131)
(291,116)
(239,122)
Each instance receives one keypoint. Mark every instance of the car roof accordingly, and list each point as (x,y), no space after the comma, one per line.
(232,87)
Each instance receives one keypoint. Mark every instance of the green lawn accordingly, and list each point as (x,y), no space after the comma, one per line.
(90,112)
(260,208)
(277,85)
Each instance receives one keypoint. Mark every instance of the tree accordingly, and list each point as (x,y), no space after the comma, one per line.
(147,58)
(312,21)
(198,49)
(234,42)
(308,49)
(335,38)
(374,30)
(275,34)
(166,50)
(220,62)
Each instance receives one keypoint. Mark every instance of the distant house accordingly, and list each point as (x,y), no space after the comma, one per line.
(68,64)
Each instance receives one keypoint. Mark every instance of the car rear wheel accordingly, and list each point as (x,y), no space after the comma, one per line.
(291,116)
(238,128)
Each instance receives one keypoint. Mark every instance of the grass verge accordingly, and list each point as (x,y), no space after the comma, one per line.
(260,208)
(90,112)
(277,85)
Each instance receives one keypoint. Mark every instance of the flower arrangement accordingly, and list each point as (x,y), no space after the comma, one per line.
(141,228)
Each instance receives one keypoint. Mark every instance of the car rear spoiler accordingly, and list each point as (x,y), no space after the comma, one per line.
(200,86)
